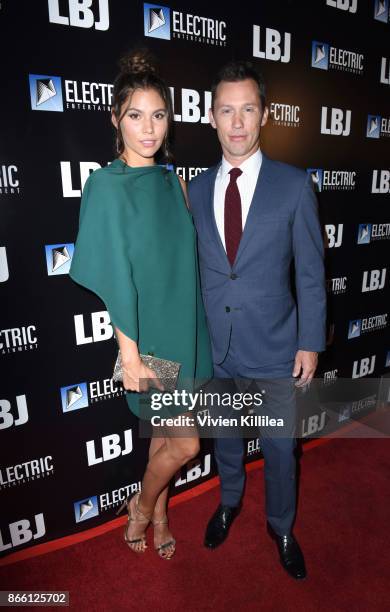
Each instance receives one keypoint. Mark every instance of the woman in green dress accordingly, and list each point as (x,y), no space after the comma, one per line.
(136,249)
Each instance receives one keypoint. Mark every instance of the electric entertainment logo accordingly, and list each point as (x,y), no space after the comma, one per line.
(368,232)
(59,258)
(325,57)
(161,22)
(378,127)
(285,115)
(354,329)
(381,10)
(157,21)
(9,182)
(47,95)
(332,180)
(92,506)
(336,285)
(368,324)
(78,396)
(17,339)
(74,397)
(21,473)
(86,508)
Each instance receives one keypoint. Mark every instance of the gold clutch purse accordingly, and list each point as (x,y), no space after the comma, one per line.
(166,371)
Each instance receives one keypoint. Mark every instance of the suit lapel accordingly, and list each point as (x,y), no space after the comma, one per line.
(211,216)
(262,193)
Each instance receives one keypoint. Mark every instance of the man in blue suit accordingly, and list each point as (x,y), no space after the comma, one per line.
(254,218)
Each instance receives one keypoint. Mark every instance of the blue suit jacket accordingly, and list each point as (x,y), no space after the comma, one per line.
(254,297)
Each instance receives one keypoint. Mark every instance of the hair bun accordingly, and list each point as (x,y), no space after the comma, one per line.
(137,62)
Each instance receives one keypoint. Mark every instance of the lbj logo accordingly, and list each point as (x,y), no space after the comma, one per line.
(374,280)
(385,71)
(101,328)
(339,124)
(7,419)
(383,184)
(273,41)
(343,5)
(157,21)
(23,531)
(320,55)
(193,471)
(334,235)
(111,447)
(314,424)
(46,93)
(80,14)
(354,328)
(364,367)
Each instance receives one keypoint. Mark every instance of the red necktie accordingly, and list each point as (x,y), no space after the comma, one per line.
(233,219)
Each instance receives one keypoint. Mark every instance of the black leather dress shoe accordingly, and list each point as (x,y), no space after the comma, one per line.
(219,525)
(291,556)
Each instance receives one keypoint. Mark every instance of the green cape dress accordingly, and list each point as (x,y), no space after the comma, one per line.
(136,249)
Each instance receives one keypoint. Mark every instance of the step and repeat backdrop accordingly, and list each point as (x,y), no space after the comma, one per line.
(70,447)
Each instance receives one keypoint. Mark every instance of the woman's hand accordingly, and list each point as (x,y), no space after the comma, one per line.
(138,377)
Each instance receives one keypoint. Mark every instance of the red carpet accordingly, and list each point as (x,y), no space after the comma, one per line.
(343,527)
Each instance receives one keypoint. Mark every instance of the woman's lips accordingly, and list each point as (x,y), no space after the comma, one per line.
(148,143)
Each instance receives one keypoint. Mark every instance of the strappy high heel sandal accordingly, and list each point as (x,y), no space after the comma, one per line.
(141,518)
(162,548)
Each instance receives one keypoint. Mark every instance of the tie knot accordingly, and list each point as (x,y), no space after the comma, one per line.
(235,173)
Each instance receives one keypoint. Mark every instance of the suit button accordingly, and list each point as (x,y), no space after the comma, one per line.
(233,276)
(227,308)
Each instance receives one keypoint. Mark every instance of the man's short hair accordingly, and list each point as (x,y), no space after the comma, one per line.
(237,70)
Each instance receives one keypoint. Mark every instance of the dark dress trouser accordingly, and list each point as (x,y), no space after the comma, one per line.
(277,444)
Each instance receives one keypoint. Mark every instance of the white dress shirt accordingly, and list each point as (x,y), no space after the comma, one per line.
(246,184)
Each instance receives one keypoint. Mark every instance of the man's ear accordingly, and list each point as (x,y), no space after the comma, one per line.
(264,117)
(211,118)
(114,120)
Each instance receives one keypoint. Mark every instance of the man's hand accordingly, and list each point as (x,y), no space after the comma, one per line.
(305,362)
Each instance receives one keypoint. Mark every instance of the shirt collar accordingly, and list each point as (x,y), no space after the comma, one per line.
(250,166)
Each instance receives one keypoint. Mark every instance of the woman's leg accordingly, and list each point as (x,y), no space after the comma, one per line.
(179,445)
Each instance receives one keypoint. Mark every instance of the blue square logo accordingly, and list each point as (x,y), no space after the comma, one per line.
(364,233)
(46,93)
(320,55)
(74,397)
(387,364)
(157,21)
(381,10)
(373,126)
(86,509)
(345,413)
(59,258)
(316,177)
(354,328)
